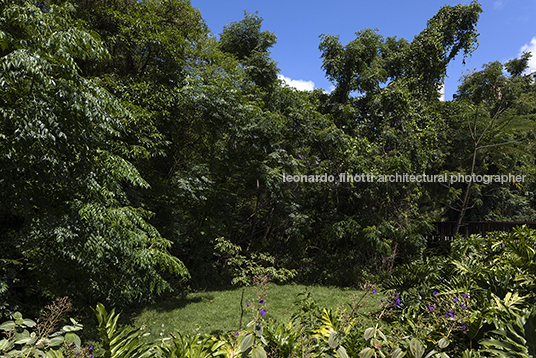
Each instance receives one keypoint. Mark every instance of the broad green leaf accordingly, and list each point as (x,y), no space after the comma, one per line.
(56,341)
(334,339)
(8,325)
(258,352)
(430,354)
(366,353)
(398,353)
(5,345)
(416,347)
(369,333)
(341,352)
(28,322)
(247,342)
(73,338)
(443,342)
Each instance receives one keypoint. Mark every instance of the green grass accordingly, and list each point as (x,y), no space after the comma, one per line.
(218,312)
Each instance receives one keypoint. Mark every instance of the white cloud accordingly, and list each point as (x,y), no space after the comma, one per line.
(298,84)
(497,5)
(330,89)
(532,48)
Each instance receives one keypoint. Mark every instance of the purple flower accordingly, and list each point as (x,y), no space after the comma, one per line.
(237,334)
(263,312)
(90,348)
(465,295)
(91,356)
(396,303)
(431,307)
(261,301)
(455,299)
(381,300)
(435,293)
(248,304)
(373,291)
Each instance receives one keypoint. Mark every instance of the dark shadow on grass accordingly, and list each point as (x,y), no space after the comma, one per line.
(173,303)
(163,305)
(217,333)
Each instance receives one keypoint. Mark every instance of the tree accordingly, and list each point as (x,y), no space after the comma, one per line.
(371,60)
(245,40)
(517,66)
(386,97)
(245,37)
(70,226)
(490,128)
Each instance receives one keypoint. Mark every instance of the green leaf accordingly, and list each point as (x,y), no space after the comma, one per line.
(443,343)
(397,353)
(247,342)
(258,329)
(27,340)
(334,339)
(258,352)
(53,354)
(56,341)
(28,322)
(8,325)
(366,353)
(341,352)
(416,347)
(5,345)
(474,327)
(73,338)
(431,353)
(442,355)
(369,333)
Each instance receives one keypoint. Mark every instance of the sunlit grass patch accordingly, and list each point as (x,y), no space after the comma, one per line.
(218,312)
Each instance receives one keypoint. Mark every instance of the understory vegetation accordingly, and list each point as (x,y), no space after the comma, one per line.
(144,158)
(477,301)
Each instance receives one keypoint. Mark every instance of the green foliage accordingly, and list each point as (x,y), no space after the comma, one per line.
(70,221)
(243,270)
(490,124)
(514,338)
(246,41)
(130,140)
(482,297)
(369,60)
(42,341)
(517,66)
(193,346)
(245,37)
(119,344)
(284,337)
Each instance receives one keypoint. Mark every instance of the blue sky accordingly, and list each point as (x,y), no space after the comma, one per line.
(506,27)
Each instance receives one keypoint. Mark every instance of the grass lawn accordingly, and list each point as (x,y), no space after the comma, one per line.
(218,312)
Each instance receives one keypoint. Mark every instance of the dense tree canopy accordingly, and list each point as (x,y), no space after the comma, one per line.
(69,225)
(131,141)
